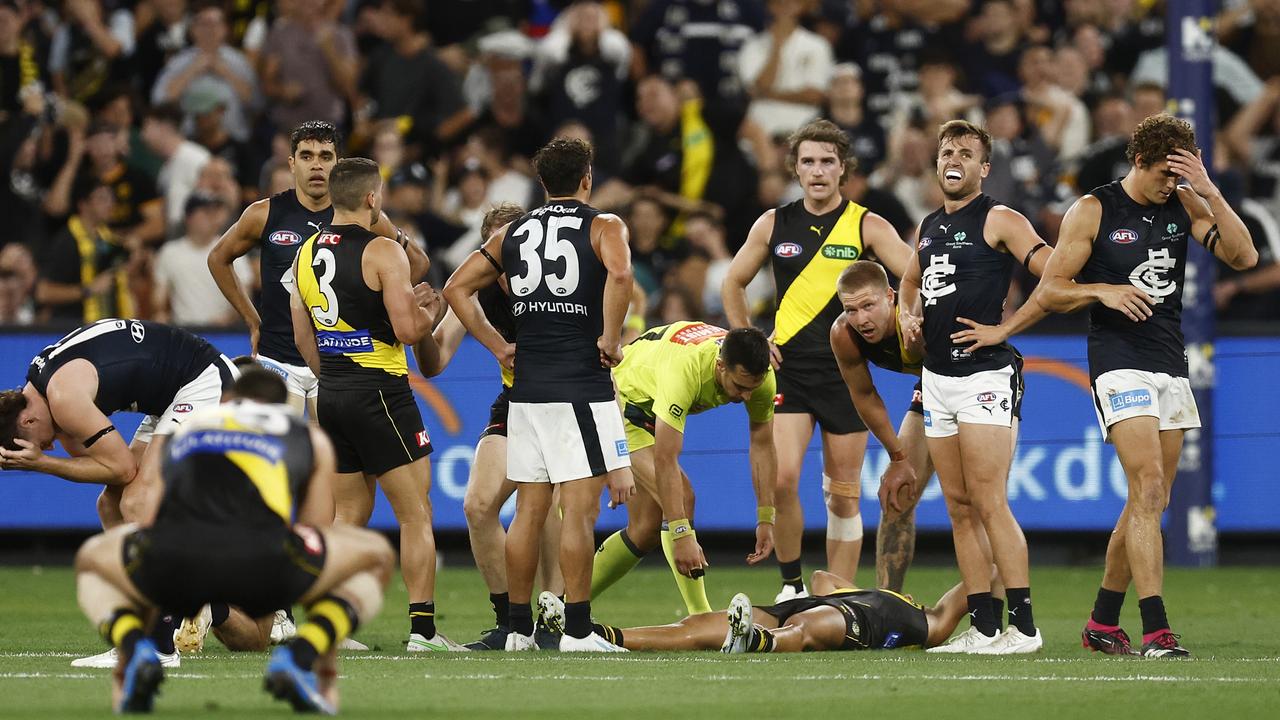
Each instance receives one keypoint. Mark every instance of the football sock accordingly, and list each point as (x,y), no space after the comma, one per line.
(219,612)
(609,633)
(162,633)
(981,614)
(997,610)
(577,619)
(1153,617)
(615,557)
(122,630)
(692,590)
(760,641)
(1020,610)
(501,609)
(1106,608)
(330,620)
(522,618)
(791,573)
(422,619)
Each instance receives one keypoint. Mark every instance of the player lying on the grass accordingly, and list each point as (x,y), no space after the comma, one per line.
(667,374)
(837,616)
(246,484)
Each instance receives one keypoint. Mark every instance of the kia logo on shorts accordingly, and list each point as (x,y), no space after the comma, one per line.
(1124,236)
(183,408)
(285,237)
(987,397)
(787,249)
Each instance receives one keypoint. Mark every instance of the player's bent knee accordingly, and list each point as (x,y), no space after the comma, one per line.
(843,529)
(480,510)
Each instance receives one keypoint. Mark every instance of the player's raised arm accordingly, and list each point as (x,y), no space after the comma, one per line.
(236,242)
(615,253)
(419,263)
(1058,291)
(742,270)
(479,270)
(1214,224)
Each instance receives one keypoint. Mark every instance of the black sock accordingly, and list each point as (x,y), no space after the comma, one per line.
(521,619)
(422,619)
(162,633)
(1106,609)
(1153,617)
(1020,610)
(760,640)
(981,614)
(219,612)
(304,653)
(791,573)
(501,609)
(123,631)
(997,610)
(608,632)
(577,619)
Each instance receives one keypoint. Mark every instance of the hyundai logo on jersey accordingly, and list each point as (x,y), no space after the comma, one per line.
(285,237)
(787,249)
(1124,236)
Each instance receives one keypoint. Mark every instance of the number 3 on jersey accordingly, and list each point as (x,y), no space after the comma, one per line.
(327,315)
(554,249)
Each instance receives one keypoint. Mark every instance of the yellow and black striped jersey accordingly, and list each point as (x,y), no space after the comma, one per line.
(809,251)
(243,464)
(358,346)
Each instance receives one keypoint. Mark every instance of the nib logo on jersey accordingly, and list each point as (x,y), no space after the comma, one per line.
(840,252)
(1149,277)
(934,281)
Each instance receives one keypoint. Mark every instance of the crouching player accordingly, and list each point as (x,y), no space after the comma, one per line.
(244,484)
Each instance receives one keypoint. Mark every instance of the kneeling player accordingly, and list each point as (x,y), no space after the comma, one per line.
(242,482)
(836,617)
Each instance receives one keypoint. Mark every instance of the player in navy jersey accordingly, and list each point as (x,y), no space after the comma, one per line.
(1122,249)
(568,267)
(972,380)
(278,226)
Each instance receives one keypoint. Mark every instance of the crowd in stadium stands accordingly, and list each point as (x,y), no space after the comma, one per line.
(133,132)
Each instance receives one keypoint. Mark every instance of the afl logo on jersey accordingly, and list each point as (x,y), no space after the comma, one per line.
(787,250)
(285,237)
(1124,236)
(137,331)
(183,408)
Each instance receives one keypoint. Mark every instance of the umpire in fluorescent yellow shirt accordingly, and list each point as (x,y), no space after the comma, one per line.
(667,374)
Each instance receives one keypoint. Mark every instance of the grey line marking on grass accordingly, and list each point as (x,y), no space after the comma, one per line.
(841,677)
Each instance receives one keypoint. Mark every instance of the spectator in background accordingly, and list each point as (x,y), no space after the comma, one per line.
(163,36)
(20,65)
(1105,160)
(1148,99)
(511,113)
(211,68)
(1251,29)
(430,113)
(845,109)
(309,66)
(938,99)
(210,132)
(23,200)
(647,219)
(708,266)
(697,40)
(1061,118)
(675,303)
(786,70)
(1023,169)
(881,202)
(887,46)
(84,273)
(17,285)
(486,147)
(1090,43)
(992,63)
(463,205)
(910,172)
(579,69)
(88,52)
(1235,83)
(218,180)
(182,159)
(138,214)
(184,291)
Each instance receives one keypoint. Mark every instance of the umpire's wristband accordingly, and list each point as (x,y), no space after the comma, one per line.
(679,528)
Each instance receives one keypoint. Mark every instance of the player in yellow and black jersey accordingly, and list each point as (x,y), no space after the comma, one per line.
(809,242)
(247,489)
(353,313)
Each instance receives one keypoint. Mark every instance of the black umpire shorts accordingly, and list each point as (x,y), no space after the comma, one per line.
(814,385)
(373,431)
(182,567)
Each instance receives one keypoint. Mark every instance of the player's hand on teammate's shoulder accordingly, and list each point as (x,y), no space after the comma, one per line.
(1135,304)
(25,457)
(610,351)
(764,543)
(980,335)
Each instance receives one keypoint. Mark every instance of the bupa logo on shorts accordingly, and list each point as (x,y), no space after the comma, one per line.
(840,252)
(183,408)
(620,447)
(1130,399)
(423,438)
(928,419)
(284,374)
(1124,236)
(676,411)
(284,237)
(986,397)
(137,331)
(787,250)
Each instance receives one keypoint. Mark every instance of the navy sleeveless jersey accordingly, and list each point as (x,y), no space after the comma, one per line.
(557,298)
(141,365)
(1144,246)
(288,225)
(961,276)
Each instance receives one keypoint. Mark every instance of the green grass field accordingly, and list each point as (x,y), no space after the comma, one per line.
(1228,618)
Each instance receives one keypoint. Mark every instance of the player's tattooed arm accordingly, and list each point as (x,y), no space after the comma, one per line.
(1058,290)
(1214,223)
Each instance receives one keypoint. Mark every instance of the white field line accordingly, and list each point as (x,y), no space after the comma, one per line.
(865,677)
